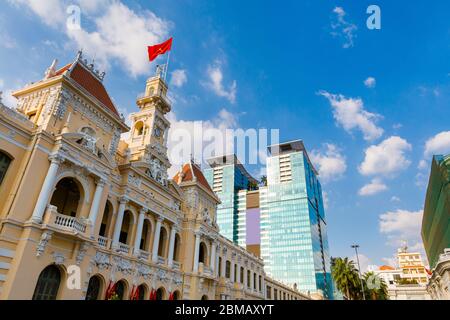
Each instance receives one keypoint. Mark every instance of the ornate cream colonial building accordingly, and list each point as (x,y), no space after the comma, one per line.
(73,196)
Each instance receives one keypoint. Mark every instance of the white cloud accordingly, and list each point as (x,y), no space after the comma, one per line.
(331,163)
(423,164)
(401,226)
(215,82)
(119,34)
(350,114)
(342,28)
(364,262)
(199,139)
(439,144)
(51,12)
(386,158)
(374,187)
(123,35)
(6,97)
(390,261)
(395,199)
(326,199)
(93,6)
(179,78)
(370,82)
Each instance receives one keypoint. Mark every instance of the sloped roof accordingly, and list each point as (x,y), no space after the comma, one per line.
(386,268)
(89,82)
(191,172)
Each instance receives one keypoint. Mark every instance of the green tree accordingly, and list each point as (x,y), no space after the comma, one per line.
(374,287)
(263,181)
(346,277)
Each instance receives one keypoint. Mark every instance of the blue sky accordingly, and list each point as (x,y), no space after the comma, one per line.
(370,105)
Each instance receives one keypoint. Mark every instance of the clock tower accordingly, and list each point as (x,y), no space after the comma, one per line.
(149,133)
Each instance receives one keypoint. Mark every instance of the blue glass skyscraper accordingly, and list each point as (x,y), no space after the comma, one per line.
(294,243)
(227,176)
(292,229)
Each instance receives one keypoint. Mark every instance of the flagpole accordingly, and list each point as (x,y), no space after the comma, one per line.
(167,66)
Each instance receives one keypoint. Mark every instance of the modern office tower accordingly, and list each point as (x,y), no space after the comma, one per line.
(283,222)
(436,214)
(294,243)
(227,176)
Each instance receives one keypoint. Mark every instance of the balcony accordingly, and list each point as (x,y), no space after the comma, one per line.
(143,255)
(123,248)
(102,242)
(64,222)
(176,265)
(161,260)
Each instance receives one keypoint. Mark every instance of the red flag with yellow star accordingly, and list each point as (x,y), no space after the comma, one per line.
(157,49)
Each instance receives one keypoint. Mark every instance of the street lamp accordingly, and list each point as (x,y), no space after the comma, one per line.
(356,246)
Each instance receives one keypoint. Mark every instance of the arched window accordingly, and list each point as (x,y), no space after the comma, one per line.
(220,266)
(126,227)
(66,197)
(176,252)
(139,128)
(145,239)
(94,288)
(254,280)
(202,253)
(48,284)
(260,283)
(162,242)
(204,297)
(141,292)
(242,275)
(88,131)
(5,161)
(160,294)
(120,289)
(107,213)
(227,269)
(249,280)
(176,295)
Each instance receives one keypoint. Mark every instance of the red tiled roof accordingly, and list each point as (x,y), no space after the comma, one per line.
(386,268)
(92,85)
(62,70)
(188,174)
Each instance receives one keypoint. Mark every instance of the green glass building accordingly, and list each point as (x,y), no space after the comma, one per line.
(436,214)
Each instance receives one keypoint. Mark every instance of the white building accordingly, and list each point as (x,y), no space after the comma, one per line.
(408,281)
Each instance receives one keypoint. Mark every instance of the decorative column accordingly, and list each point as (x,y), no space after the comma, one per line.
(156,239)
(245,279)
(173,233)
(140,225)
(264,288)
(93,213)
(212,263)
(224,266)
(118,226)
(46,189)
(196,252)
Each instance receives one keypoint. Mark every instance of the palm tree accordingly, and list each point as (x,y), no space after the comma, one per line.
(345,276)
(375,288)
(263,180)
